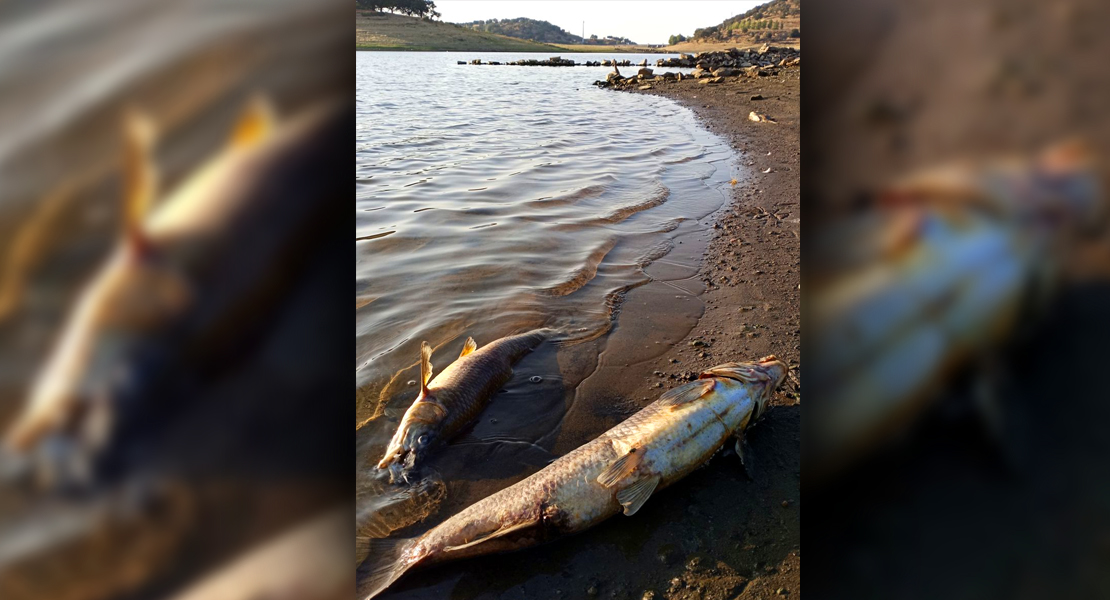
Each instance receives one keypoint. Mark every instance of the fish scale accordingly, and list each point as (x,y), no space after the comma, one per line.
(455,397)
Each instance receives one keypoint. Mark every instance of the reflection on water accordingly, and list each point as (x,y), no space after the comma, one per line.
(496,199)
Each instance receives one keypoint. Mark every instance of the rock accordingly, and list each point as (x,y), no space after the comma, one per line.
(462,62)
(606,63)
(644,87)
(713,80)
(697,73)
(725,72)
(668,76)
(759,118)
(645,72)
(614,76)
(679,76)
(643,63)
(756,97)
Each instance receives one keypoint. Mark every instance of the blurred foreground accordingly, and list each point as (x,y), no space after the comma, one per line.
(957,273)
(173,216)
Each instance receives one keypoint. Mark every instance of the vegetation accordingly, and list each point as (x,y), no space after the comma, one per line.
(764,23)
(412,8)
(675,39)
(384,31)
(541,31)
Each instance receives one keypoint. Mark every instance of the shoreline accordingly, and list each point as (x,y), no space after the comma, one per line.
(752,277)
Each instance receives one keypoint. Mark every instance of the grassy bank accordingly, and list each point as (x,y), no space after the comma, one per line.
(383,31)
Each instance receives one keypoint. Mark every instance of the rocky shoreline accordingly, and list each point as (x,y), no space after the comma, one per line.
(712,67)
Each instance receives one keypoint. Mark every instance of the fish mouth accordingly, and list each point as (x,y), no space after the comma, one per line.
(767,369)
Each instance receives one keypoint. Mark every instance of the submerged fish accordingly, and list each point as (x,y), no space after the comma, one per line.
(455,397)
(616,472)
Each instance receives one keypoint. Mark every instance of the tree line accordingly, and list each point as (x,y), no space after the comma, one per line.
(412,8)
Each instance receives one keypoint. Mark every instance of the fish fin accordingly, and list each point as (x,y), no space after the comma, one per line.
(425,367)
(385,561)
(687,393)
(743,450)
(492,535)
(623,467)
(468,347)
(634,496)
(140,177)
(255,124)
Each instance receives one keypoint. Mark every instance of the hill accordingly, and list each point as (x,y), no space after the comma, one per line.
(776,21)
(381,31)
(541,31)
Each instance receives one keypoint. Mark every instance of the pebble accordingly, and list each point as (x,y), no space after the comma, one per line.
(591,591)
(781,591)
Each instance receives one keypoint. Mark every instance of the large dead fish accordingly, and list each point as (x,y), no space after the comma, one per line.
(184,277)
(455,397)
(616,472)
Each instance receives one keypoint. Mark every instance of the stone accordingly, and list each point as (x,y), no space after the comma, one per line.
(725,72)
(645,72)
(645,87)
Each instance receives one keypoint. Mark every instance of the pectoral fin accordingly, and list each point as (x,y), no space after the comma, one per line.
(468,347)
(634,496)
(425,366)
(743,450)
(687,393)
(504,530)
(623,467)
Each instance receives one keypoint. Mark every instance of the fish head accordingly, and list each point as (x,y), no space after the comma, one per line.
(419,428)
(100,358)
(768,372)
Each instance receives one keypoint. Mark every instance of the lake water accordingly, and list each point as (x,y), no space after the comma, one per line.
(495,199)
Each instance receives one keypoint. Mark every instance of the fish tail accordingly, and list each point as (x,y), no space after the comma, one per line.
(386,560)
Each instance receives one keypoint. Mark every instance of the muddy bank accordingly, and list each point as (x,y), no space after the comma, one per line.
(751,272)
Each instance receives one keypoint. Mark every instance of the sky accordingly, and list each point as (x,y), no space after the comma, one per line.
(642,21)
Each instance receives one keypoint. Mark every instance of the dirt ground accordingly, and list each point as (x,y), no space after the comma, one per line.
(752,275)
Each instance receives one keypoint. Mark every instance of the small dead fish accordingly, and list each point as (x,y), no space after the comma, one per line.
(617,472)
(455,397)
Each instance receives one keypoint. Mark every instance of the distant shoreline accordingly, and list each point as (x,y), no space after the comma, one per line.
(383,32)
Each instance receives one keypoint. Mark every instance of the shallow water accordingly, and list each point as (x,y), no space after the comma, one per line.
(496,199)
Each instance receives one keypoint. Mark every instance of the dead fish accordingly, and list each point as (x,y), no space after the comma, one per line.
(617,472)
(455,397)
(177,284)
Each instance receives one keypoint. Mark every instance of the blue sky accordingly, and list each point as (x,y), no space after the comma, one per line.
(643,21)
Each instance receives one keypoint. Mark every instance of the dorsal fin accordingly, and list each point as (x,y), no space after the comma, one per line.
(425,366)
(140,177)
(623,467)
(468,347)
(255,124)
(687,393)
(634,496)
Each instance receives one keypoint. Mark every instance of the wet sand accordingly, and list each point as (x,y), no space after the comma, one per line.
(733,284)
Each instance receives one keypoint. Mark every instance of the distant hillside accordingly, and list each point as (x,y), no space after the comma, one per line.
(775,21)
(381,31)
(541,31)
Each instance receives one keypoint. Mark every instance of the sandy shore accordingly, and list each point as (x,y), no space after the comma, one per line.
(752,276)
